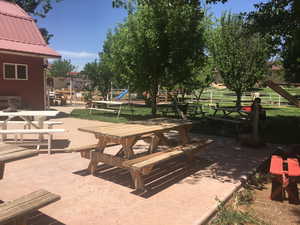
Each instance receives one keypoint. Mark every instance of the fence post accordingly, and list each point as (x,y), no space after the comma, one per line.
(279,100)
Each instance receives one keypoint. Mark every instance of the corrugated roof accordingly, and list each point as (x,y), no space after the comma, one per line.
(19,33)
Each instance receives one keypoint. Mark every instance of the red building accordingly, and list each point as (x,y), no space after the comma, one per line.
(23,56)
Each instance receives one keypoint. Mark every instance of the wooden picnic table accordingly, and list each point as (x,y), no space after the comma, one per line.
(228,110)
(127,135)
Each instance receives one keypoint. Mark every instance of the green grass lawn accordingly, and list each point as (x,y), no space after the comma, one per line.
(281,127)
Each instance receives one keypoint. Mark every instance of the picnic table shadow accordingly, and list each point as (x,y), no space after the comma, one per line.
(162,176)
(58,146)
(37,217)
(218,162)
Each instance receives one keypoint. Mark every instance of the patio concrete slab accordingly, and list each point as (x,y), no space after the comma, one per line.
(180,197)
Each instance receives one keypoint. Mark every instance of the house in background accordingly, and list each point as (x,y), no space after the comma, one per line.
(78,81)
(23,57)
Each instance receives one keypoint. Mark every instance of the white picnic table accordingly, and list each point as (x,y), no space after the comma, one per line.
(107,106)
(27,115)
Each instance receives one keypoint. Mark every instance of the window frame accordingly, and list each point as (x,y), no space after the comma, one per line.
(16,71)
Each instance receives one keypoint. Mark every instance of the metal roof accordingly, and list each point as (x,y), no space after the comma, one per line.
(19,33)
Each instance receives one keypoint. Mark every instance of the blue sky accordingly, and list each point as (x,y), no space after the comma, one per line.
(80,26)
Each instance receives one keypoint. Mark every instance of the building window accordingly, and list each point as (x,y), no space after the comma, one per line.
(15,71)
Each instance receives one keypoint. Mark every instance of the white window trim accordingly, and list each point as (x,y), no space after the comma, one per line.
(16,74)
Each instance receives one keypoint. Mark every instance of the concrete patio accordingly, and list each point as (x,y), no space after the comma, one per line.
(179,197)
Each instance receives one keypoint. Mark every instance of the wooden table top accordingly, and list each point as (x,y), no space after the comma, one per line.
(122,130)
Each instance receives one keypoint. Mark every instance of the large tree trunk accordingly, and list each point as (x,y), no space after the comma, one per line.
(153,97)
(153,104)
(238,99)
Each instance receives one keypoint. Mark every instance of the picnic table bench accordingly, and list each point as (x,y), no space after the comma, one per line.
(28,125)
(10,153)
(17,211)
(21,132)
(142,166)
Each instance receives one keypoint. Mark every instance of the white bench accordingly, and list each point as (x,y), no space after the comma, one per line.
(21,132)
(49,124)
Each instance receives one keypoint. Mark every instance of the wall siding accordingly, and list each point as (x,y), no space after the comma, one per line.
(31,91)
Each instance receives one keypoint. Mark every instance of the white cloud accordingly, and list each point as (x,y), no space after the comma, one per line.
(79,55)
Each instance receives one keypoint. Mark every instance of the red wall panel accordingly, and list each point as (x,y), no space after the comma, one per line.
(31,90)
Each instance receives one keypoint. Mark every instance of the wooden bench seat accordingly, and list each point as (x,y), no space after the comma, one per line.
(49,124)
(86,148)
(21,132)
(142,166)
(17,211)
(9,153)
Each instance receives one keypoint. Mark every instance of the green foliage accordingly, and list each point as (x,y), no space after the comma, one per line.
(227,215)
(244,197)
(37,8)
(281,20)
(160,45)
(99,75)
(61,68)
(240,58)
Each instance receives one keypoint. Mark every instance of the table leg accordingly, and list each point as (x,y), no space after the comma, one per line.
(215,112)
(183,133)
(4,127)
(162,139)
(154,143)
(41,120)
(119,111)
(138,179)
(127,144)
(94,155)
(2,166)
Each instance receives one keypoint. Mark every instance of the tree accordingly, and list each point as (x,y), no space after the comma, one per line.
(61,68)
(37,8)
(281,20)
(99,75)
(240,58)
(160,45)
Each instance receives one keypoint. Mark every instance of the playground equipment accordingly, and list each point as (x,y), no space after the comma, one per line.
(293,100)
(121,95)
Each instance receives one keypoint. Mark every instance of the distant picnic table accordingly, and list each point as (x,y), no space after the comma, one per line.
(229,110)
(108,106)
